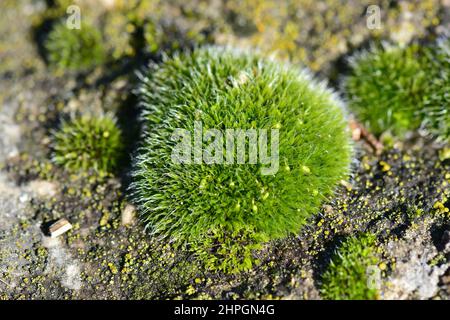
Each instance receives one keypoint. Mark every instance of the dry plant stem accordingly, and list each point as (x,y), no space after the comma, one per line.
(360,132)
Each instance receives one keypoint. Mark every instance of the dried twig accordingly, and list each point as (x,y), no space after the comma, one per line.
(360,132)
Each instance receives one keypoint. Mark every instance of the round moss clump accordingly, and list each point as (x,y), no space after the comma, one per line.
(353,272)
(294,134)
(74,49)
(386,87)
(437,99)
(88,142)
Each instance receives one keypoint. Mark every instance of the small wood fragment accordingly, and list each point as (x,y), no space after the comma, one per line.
(359,132)
(59,227)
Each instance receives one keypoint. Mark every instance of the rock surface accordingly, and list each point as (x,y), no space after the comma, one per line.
(400,194)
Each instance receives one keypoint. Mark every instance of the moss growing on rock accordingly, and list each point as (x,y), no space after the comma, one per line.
(437,99)
(400,89)
(88,142)
(74,49)
(347,276)
(222,89)
(386,87)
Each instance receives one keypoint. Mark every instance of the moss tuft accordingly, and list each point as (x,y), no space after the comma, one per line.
(386,87)
(74,49)
(347,276)
(225,89)
(88,142)
(437,99)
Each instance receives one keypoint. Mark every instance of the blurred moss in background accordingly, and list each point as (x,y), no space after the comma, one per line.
(315,33)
